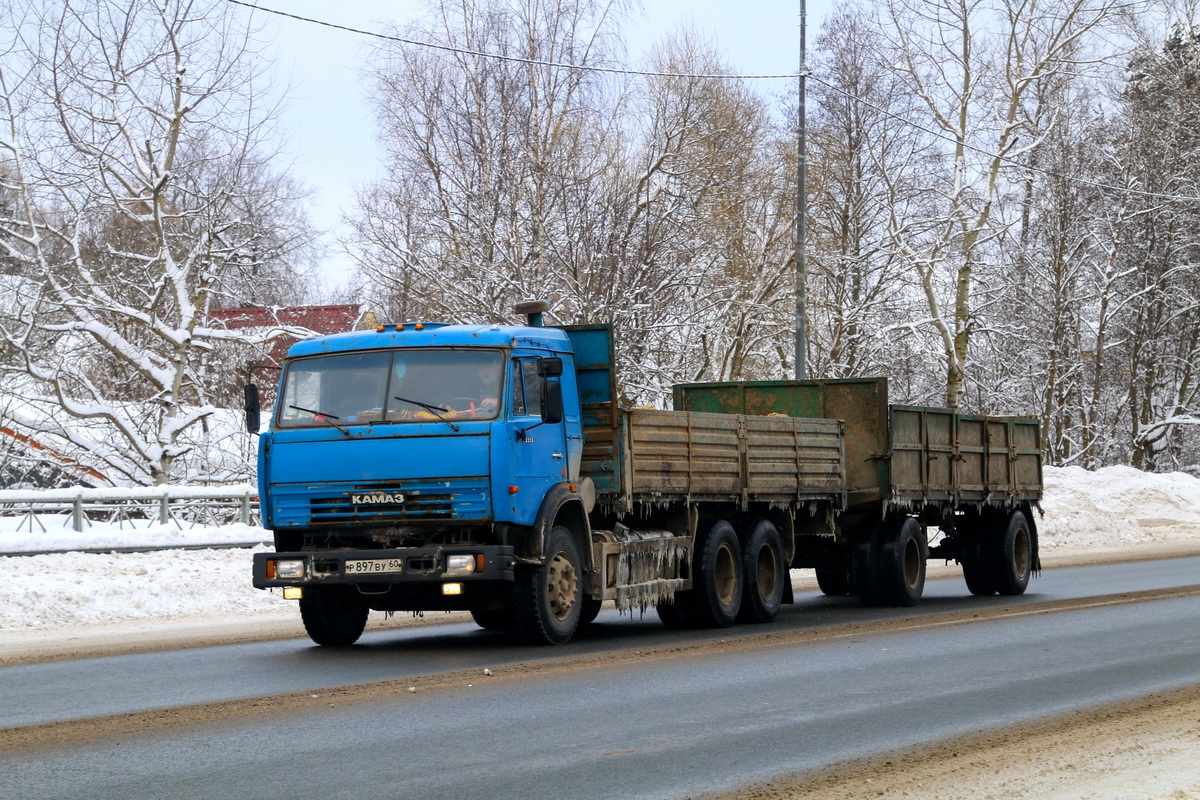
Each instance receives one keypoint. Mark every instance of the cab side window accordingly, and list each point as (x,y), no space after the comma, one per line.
(527,388)
(518,405)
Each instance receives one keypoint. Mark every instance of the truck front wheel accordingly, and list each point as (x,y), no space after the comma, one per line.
(334,616)
(549,599)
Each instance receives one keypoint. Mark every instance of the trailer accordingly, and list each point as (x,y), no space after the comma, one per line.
(493,469)
(975,480)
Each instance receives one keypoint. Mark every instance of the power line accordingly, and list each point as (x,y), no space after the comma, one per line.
(516,59)
(719,76)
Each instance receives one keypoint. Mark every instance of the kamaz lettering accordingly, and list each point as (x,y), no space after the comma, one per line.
(376,498)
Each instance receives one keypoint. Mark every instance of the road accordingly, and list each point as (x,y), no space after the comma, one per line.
(629,710)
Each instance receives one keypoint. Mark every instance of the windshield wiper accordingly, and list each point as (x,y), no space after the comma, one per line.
(325,417)
(437,411)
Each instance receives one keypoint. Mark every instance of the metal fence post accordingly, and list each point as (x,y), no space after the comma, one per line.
(77,513)
(246,508)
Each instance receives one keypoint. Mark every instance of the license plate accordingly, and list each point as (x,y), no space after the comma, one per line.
(374,566)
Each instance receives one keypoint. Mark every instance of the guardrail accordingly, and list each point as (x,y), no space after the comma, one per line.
(140,507)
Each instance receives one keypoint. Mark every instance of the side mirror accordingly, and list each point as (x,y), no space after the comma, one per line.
(552,402)
(253,413)
(549,367)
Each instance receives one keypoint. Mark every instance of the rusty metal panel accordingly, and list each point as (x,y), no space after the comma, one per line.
(860,402)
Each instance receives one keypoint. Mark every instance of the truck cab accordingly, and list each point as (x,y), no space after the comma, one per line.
(424,466)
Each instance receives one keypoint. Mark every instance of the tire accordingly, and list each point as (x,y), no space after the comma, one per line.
(590,610)
(977,572)
(333,616)
(674,615)
(903,550)
(864,568)
(498,615)
(549,599)
(835,581)
(763,574)
(1013,553)
(717,597)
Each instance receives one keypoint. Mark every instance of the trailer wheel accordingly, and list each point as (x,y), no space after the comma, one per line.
(1012,554)
(834,581)
(763,574)
(902,553)
(976,566)
(333,616)
(549,599)
(864,568)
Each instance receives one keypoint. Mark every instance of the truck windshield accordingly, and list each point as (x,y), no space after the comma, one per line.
(386,386)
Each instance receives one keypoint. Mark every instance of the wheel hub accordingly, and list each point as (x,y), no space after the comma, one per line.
(563,586)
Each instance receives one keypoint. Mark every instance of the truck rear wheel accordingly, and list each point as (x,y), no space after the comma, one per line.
(674,615)
(333,616)
(718,597)
(763,573)
(549,599)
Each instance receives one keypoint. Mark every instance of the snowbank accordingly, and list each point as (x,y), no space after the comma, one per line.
(67,589)
(1112,508)
(1117,506)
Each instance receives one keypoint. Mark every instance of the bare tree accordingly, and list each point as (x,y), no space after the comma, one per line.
(864,164)
(973,64)
(134,140)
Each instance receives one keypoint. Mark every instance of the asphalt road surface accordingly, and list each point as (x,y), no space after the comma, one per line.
(628,710)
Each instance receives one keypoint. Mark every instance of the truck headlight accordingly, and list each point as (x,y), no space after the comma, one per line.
(289,569)
(460,565)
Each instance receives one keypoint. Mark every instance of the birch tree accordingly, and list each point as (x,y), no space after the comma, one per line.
(133,141)
(973,64)
(863,168)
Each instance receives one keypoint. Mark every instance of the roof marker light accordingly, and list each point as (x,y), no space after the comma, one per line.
(399,327)
(380,329)
(420,327)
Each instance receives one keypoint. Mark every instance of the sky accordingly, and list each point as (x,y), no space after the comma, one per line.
(327,125)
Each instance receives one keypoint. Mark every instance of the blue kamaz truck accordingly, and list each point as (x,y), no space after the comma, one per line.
(492,469)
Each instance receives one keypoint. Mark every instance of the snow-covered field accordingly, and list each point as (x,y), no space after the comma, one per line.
(1114,508)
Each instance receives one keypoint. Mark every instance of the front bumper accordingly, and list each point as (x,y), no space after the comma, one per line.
(404,565)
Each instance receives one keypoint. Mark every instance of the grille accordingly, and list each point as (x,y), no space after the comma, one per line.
(414,507)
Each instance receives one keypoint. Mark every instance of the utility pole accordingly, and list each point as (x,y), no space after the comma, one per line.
(801,222)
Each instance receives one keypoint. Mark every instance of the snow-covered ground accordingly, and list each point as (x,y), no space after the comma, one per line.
(1117,507)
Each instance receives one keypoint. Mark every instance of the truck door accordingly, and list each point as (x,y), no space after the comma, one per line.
(540,458)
